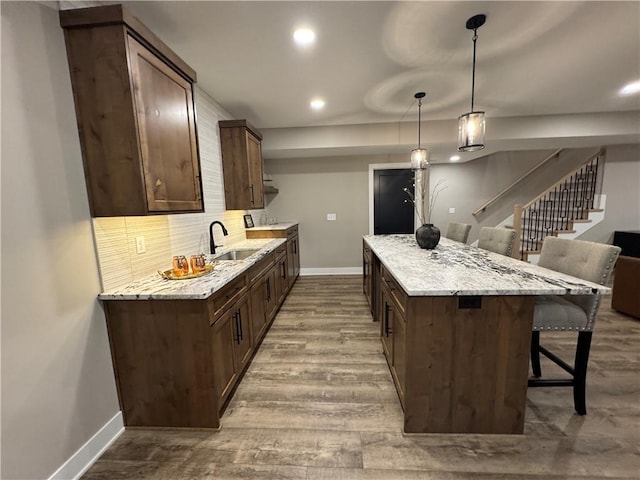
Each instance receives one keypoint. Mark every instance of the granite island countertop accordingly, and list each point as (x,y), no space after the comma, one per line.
(154,287)
(454,268)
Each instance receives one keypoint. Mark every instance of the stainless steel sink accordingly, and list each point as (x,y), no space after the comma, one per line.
(235,255)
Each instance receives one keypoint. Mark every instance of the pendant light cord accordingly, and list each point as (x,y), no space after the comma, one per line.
(473,72)
(419,119)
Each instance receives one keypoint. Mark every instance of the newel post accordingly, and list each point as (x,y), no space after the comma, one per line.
(517,226)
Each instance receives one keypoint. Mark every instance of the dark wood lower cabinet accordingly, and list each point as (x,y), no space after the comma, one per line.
(393,335)
(164,358)
(225,369)
(291,249)
(293,258)
(242,338)
(177,362)
(272,294)
(259,321)
(282,278)
(367,283)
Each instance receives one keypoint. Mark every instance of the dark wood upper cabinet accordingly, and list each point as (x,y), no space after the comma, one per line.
(241,145)
(135,112)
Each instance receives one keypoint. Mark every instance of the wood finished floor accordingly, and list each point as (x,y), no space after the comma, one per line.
(318,403)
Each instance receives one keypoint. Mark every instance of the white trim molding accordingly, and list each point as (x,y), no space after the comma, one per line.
(88,453)
(305,272)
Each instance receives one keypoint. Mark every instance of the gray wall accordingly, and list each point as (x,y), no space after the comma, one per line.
(312,187)
(621,184)
(58,386)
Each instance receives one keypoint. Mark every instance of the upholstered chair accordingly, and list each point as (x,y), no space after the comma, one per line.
(498,240)
(458,231)
(589,261)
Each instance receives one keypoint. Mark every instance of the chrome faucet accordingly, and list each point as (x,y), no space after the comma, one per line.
(212,243)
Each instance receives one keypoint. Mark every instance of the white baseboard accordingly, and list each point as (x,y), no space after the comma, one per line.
(87,455)
(305,272)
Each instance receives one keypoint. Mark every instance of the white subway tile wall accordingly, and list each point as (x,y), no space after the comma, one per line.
(168,235)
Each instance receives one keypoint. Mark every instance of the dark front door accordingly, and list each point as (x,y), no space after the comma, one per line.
(392,210)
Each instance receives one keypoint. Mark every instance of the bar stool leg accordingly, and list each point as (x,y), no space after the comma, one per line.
(535,354)
(580,372)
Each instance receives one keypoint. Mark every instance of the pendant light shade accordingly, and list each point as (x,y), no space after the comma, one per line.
(471,125)
(419,159)
(471,131)
(419,156)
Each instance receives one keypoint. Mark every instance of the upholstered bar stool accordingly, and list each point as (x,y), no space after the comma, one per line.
(498,240)
(458,231)
(572,313)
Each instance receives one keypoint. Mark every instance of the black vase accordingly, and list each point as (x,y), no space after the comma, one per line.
(428,236)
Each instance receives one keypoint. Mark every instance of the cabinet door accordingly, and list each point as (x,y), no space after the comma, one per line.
(258,311)
(282,278)
(243,344)
(167,136)
(224,363)
(376,287)
(271,294)
(293,254)
(399,358)
(256,189)
(241,149)
(387,326)
(366,275)
(296,257)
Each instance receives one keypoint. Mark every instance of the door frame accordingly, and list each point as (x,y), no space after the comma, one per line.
(385,166)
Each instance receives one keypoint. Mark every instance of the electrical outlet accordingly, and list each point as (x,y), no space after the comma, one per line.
(452,210)
(331,216)
(140,246)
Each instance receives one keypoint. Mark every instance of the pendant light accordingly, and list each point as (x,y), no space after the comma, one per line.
(471,125)
(419,156)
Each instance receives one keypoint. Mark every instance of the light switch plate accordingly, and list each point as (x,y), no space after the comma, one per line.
(140,246)
(452,210)
(331,216)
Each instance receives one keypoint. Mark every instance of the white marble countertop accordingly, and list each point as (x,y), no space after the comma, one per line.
(155,287)
(275,226)
(454,268)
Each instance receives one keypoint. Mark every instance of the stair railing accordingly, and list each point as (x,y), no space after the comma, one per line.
(523,177)
(556,209)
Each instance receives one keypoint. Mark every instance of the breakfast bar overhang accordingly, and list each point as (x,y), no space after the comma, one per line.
(456,326)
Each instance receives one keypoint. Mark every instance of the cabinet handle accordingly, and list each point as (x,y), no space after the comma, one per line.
(284,271)
(240,324)
(252,199)
(387,330)
(295,247)
(235,317)
(268,289)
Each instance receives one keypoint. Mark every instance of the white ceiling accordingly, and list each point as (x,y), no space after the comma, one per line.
(533,59)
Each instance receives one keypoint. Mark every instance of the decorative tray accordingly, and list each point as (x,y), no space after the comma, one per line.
(169,275)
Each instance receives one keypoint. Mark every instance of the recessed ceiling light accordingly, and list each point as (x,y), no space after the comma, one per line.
(304,37)
(454,158)
(317,104)
(630,88)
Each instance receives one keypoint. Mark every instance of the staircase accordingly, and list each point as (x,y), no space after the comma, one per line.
(566,209)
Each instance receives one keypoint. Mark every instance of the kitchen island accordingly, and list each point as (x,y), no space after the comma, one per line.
(456,327)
